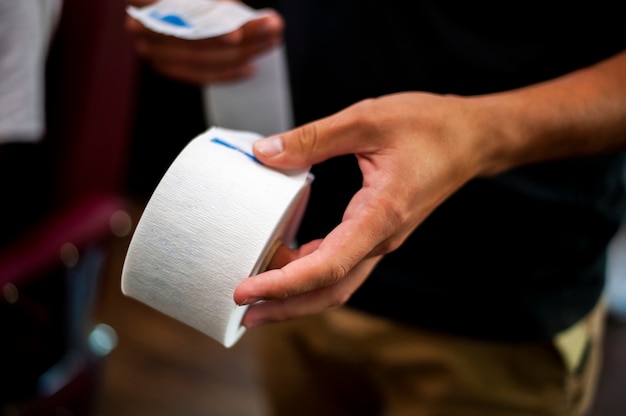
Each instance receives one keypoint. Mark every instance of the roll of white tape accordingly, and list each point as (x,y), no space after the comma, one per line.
(211,222)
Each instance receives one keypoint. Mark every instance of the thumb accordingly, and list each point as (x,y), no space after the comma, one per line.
(307,145)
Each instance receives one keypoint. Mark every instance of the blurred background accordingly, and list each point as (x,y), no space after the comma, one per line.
(75,183)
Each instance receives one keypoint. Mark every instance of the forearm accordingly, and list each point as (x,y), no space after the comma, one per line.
(416,149)
(580,114)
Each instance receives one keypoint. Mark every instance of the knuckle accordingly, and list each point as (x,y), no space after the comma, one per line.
(336,272)
(362,112)
(307,139)
(283,291)
(394,220)
(359,119)
(387,247)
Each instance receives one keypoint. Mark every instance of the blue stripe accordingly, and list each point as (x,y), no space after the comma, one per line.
(232,146)
(172,19)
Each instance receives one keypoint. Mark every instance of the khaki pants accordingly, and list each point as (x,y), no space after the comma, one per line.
(344,362)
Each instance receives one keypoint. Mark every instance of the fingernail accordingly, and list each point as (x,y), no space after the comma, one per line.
(271,146)
(249,301)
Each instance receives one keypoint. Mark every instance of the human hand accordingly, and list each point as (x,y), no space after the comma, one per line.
(414,150)
(224,58)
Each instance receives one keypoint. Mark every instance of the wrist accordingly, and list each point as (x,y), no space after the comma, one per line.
(576,115)
(512,131)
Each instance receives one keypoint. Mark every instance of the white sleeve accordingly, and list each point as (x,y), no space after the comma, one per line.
(25,32)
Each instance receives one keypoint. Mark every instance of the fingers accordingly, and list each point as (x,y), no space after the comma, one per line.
(320,263)
(311,302)
(198,64)
(269,25)
(343,133)
(254,288)
(299,276)
(201,76)
(224,58)
(282,257)
(323,273)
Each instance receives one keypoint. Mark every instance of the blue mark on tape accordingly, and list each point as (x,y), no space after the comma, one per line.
(171,19)
(232,146)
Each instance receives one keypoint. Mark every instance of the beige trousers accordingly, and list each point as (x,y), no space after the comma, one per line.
(345,362)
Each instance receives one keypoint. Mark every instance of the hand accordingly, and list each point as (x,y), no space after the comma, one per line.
(308,298)
(414,150)
(224,58)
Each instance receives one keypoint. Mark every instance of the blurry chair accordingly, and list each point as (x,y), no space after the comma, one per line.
(62,206)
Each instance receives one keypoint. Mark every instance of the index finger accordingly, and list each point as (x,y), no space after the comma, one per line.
(269,24)
(342,249)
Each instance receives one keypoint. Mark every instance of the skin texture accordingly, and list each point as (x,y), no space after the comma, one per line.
(414,149)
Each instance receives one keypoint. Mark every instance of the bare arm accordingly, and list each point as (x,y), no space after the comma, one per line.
(580,114)
(416,149)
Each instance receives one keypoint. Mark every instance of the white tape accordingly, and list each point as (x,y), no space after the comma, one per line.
(211,222)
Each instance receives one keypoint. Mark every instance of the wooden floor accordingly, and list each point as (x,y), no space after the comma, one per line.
(163,368)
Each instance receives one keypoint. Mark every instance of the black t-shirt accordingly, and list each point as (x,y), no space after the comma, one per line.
(517,256)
